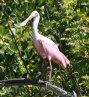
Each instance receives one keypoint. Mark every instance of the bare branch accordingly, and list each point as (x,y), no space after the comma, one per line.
(24,81)
(15,41)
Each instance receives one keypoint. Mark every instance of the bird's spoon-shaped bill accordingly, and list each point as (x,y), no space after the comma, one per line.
(24,22)
(21,24)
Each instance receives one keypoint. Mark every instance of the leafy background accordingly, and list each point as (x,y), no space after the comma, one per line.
(66,22)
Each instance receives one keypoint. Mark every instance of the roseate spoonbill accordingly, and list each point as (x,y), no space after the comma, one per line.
(44,46)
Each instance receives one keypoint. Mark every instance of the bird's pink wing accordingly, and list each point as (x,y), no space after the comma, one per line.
(52,50)
(48,47)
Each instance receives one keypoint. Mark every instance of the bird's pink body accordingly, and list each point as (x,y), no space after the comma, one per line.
(47,48)
(44,46)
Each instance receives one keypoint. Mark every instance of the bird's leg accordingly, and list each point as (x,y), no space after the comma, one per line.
(50,76)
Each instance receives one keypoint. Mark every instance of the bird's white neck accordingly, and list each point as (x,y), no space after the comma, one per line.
(35,27)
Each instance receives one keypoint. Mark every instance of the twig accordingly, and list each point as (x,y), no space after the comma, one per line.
(24,81)
(17,47)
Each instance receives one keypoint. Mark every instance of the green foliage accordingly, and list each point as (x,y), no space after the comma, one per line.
(66,22)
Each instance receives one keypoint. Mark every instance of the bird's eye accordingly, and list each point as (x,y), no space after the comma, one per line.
(36,14)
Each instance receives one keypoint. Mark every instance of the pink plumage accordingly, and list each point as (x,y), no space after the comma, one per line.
(44,46)
(48,48)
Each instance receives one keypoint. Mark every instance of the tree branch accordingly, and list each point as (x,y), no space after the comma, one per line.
(46,84)
(24,62)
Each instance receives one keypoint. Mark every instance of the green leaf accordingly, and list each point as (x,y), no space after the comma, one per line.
(1,30)
(85,77)
(13,47)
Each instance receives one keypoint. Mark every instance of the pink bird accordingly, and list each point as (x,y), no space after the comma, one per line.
(45,47)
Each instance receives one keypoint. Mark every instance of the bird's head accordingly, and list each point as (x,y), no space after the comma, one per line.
(34,14)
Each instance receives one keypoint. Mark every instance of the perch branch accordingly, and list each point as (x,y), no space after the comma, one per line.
(25,81)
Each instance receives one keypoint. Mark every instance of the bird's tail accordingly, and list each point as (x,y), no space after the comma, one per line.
(66,60)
